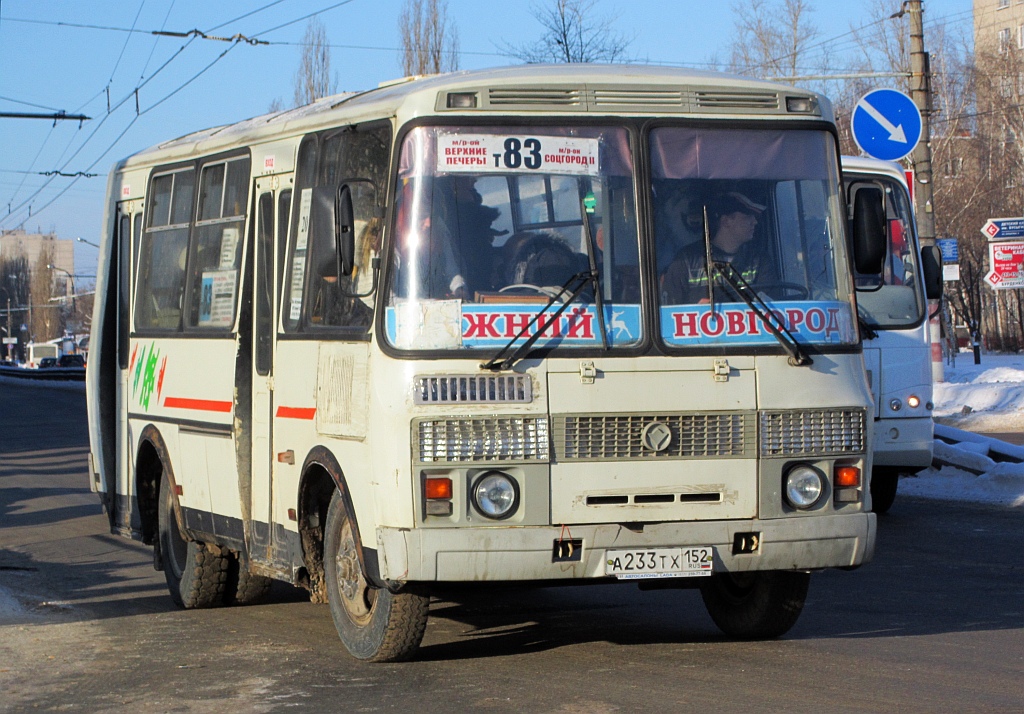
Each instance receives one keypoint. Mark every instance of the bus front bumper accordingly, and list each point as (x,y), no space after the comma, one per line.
(526,553)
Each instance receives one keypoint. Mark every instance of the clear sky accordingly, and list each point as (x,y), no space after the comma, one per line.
(46,66)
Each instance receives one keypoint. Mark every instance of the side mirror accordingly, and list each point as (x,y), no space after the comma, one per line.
(323,214)
(345,237)
(931,266)
(869,236)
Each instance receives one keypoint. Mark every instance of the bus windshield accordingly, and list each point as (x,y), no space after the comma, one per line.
(766,203)
(491,222)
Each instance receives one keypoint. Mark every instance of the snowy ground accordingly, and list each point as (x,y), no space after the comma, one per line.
(983,398)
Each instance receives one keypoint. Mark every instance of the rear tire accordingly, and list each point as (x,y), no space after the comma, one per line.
(884,483)
(755,605)
(374,624)
(244,587)
(196,573)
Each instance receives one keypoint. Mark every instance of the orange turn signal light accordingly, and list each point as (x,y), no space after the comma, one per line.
(438,487)
(847,476)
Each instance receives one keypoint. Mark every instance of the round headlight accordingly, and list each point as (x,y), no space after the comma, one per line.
(496,495)
(895,404)
(804,486)
(913,402)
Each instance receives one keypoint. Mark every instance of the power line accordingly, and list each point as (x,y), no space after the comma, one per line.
(49,173)
(164,33)
(30,104)
(125,45)
(304,17)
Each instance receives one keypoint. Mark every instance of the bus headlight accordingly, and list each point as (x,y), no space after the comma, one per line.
(803,486)
(495,495)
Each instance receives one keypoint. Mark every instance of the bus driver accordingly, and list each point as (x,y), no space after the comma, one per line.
(732,218)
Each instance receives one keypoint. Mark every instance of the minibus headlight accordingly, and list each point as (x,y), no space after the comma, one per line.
(803,486)
(495,495)
(913,401)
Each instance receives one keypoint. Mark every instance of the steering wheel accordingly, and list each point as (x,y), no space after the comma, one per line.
(546,291)
(782,290)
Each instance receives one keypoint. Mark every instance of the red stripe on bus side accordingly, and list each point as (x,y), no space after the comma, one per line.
(296,412)
(202,405)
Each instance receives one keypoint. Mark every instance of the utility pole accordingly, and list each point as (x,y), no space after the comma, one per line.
(921,93)
(56,116)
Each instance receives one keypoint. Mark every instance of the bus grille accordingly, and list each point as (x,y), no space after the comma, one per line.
(539,96)
(591,438)
(722,99)
(496,438)
(473,389)
(669,98)
(816,432)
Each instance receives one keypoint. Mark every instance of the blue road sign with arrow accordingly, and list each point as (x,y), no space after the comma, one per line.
(886,124)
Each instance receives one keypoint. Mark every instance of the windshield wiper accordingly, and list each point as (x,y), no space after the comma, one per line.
(867,330)
(797,357)
(573,287)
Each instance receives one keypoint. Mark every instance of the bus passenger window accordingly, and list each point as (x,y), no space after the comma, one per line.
(217,244)
(163,251)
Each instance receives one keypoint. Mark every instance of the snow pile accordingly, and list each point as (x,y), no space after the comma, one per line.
(976,468)
(991,394)
(985,398)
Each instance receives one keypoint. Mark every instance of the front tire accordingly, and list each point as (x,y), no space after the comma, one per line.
(755,605)
(884,484)
(196,573)
(374,624)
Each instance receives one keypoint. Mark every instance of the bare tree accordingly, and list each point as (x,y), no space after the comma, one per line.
(313,78)
(430,42)
(572,32)
(775,42)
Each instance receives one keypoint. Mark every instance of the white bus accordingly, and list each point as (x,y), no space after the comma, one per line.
(893,309)
(459,329)
(38,351)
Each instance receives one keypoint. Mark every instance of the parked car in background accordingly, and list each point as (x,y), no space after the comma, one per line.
(47,362)
(71,361)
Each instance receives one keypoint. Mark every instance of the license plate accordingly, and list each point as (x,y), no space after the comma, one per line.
(660,563)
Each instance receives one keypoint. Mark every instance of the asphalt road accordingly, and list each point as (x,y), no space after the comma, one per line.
(935,623)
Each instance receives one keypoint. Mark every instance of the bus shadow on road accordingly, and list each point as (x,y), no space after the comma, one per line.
(492,621)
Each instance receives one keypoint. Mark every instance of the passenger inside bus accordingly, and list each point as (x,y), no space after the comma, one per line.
(732,221)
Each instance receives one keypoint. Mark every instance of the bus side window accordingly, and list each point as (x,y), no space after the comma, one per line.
(163,252)
(217,244)
(360,160)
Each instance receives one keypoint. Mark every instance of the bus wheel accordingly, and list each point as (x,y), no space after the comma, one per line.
(244,587)
(196,573)
(884,483)
(375,625)
(755,605)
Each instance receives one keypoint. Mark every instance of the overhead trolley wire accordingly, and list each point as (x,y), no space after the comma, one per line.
(191,35)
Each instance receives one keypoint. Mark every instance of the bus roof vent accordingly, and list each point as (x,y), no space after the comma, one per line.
(653,98)
(736,99)
(473,389)
(537,97)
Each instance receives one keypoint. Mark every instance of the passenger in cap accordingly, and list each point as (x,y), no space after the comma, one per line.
(732,220)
